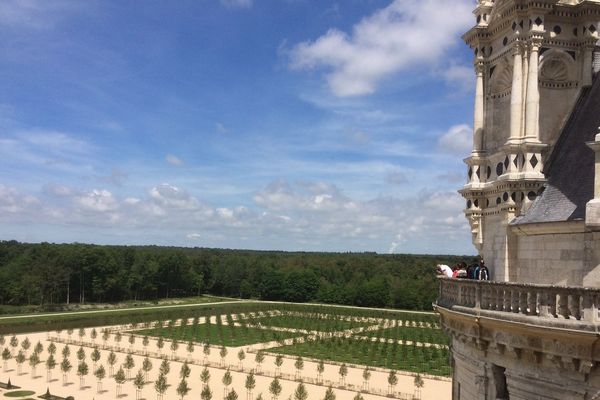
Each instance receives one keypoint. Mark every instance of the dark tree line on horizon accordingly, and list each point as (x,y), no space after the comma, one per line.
(48,274)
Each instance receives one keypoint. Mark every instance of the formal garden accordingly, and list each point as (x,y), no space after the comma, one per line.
(257,350)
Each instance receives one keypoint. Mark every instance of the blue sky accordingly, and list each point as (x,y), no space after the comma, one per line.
(263,124)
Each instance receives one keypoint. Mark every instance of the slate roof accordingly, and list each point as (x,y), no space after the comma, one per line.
(570,168)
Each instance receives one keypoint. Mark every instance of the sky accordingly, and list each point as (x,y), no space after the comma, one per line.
(314,125)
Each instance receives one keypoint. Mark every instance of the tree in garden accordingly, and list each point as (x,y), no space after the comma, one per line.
(185,370)
(250,385)
(160,386)
(14,342)
(119,380)
(34,360)
(165,367)
(419,383)
(278,363)
(227,379)
(69,332)
(100,374)
(129,364)
(5,357)
(20,359)
(66,351)
(329,394)
(183,389)
(139,381)
(206,393)
(105,336)
(275,388)
(366,376)
(174,347)
(190,348)
(320,370)
(160,343)
(343,371)
(82,371)
(260,358)
(131,341)
(2,341)
(52,349)
(231,395)
(299,365)
(358,397)
(81,354)
(25,345)
(392,382)
(112,360)
(118,337)
(206,351)
(205,377)
(93,335)
(300,393)
(81,334)
(259,397)
(65,367)
(50,365)
(241,357)
(38,348)
(223,354)
(145,343)
(146,367)
(95,357)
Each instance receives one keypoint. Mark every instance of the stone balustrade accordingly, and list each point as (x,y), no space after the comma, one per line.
(564,304)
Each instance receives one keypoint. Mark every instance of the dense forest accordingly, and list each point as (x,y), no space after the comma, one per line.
(47,274)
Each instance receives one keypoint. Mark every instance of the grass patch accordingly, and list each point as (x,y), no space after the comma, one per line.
(19,393)
(403,333)
(308,322)
(427,360)
(225,335)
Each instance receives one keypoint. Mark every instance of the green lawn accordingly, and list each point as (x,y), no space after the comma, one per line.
(308,322)
(218,334)
(19,393)
(407,358)
(425,335)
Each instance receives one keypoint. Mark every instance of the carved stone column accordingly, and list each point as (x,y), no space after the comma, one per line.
(478,112)
(516,97)
(533,95)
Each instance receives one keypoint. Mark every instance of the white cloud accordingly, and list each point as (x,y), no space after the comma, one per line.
(237,3)
(459,76)
(13,201)
(36,14)
(173,160)
(98,201)
(458,140)
(405,34)
(193,236)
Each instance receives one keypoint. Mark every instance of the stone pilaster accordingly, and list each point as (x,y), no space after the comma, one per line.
(533,95)
(592,208)
(516,97)
(478,118)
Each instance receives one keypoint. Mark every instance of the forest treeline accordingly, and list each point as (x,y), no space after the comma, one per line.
(47,274)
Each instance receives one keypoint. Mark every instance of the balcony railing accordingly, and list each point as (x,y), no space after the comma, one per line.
(564,304)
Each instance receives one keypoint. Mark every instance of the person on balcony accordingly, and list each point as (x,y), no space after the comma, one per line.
(443,269)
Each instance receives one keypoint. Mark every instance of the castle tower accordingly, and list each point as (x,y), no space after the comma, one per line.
(533,63)
(533,204)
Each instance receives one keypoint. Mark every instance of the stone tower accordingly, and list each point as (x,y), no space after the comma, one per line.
(533,62)
(533,204)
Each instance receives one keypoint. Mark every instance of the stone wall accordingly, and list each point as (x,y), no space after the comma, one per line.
(551,259)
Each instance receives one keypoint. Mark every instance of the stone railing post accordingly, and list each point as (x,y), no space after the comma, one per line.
(478,295)
(590,307)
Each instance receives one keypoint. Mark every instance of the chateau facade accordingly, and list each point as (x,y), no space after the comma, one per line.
(533,203)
